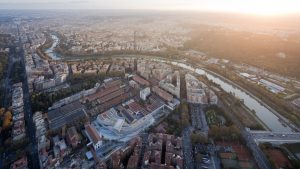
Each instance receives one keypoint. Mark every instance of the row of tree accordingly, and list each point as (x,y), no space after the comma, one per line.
(199,138)
(178,119)
(3,63)
(3,67)
(42,101)
(230,133)
(185,115)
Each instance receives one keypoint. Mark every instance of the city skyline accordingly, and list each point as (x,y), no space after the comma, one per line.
(266,7)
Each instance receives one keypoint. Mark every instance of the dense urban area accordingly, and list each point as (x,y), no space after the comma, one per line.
(145,92)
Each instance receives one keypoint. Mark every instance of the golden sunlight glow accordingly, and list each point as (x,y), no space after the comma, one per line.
(266,7)
(256,7)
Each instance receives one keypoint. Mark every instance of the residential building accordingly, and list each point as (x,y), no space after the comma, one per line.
(94,137)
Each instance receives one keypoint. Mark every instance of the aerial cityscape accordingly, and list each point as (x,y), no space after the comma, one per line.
(149,85)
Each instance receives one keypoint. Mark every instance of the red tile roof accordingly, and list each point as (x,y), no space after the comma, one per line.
(92,132)
(140,80)
(163,94)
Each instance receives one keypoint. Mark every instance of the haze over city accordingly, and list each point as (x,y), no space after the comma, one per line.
(257,7)
(160,84)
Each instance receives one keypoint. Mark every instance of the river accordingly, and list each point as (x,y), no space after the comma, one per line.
(50,51)
(263,113)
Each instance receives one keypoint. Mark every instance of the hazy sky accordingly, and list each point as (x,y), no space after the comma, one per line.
(245,6)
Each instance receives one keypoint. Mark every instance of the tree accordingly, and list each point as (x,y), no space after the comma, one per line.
(199,157)
(225,133)
(7,120)
(198,138)
(185,119)
(2,110)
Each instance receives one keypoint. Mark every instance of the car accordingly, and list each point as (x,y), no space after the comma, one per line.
(206,161)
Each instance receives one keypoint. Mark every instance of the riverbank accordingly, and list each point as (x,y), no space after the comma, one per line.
(50,52)
(47,44)
(285,120)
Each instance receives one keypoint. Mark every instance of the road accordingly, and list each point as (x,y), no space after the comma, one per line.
(258,155)
(187,149)
(7,80)
(7,91)
(199,122)
(215,162)
(198,118)
(195,117)
(33,157)
(144,137)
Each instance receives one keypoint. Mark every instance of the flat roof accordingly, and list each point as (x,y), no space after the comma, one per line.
(118,125)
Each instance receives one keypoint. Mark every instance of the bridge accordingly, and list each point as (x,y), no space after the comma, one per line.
(275,137)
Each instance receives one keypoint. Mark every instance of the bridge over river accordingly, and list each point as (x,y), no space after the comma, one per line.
(275,137)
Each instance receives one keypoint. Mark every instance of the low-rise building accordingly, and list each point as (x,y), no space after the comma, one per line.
(20,163)
(94,137)
(163,94)
(73,113)
(60,148)
(144,93)
(140,80)
(73,137)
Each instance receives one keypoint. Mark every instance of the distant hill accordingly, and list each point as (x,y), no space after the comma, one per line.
(274,50)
